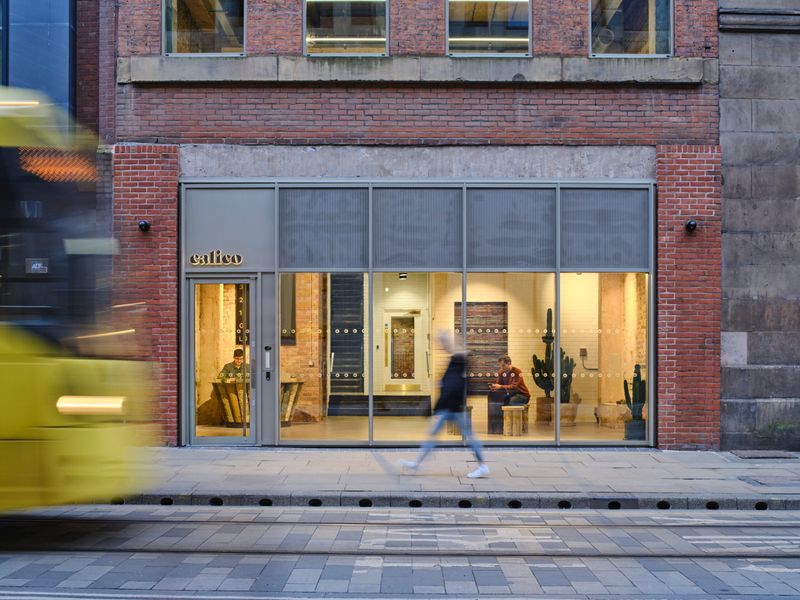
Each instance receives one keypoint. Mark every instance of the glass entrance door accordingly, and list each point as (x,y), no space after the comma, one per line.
(222,351)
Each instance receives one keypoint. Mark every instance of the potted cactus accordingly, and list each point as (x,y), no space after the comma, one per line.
(542,373)
(636,399)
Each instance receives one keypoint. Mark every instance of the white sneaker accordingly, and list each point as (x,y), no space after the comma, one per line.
(481,471)
(409,465)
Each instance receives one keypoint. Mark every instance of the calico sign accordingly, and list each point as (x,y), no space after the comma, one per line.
(215,258)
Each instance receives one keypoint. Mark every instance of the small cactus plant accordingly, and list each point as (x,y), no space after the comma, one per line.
(543,369)
(637,396)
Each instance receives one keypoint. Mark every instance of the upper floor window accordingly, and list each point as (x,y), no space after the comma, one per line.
(488,27)
(631,27)
(204,26)
(345,27)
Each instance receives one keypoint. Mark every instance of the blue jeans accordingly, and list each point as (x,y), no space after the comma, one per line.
(516,400)
(460,419)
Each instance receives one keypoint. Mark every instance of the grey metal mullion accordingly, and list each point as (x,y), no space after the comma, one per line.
(557,325)
(652,359)
(276,317)
(183,407)
(304,31)
(464,289)
(371,323)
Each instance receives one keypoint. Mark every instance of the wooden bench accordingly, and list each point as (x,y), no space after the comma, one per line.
(290,392)
(515,420)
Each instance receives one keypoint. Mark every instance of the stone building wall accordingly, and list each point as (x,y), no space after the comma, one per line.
(760,138)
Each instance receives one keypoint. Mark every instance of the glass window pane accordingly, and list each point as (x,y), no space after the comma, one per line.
(324,228)
(222,359)
(200,26)
(507,316)
(511,228)
(488,26)
(407,363)
(605,229)
(604,330)
(324,394)
(417,228)
(356,27)
(631,26)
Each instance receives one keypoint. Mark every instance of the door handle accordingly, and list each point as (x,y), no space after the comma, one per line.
(268,375)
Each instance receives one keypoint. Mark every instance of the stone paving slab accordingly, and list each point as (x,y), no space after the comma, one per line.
(530,477)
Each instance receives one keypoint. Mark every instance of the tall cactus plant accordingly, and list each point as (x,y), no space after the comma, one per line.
(637,397)
(543,370)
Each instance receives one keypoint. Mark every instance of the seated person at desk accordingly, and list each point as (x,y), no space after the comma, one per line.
(234,371)
(510,382)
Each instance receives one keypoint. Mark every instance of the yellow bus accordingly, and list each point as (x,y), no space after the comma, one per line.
(74,395)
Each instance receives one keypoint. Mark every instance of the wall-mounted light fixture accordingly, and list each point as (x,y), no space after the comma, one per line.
(144,226)
(690,225)
(402,275)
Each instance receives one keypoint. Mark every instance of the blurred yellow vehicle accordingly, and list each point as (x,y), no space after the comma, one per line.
(74,399)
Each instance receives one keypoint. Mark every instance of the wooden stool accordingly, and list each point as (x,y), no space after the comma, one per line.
(451,428)
(515,420)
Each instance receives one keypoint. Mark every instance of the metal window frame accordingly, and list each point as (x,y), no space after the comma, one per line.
(164,52)
(464,185)
(383,54)
(671,52)
(4,33)
(452,54)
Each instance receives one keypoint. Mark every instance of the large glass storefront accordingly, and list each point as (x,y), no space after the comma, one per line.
(547,283)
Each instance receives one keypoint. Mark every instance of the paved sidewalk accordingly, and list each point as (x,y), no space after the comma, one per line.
(526,478)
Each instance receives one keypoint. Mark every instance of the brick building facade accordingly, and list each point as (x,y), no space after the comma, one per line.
(560,117)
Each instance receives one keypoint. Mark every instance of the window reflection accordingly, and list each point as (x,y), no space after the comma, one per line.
(631,26)
(488,26)
(323,365)
(204,26)
(604,331)
(346,27)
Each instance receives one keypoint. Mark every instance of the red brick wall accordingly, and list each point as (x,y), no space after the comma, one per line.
(145,180)
(560,27)
(689,297)
(417,27)
(274,27)
(696,32)
(414,115)
(87,25)
(107,80)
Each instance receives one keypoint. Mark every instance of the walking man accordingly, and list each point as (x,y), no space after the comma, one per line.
(450,407)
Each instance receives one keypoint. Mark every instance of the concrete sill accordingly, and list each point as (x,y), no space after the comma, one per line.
(416,69)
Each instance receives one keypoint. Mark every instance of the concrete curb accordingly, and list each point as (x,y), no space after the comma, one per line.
(479,500)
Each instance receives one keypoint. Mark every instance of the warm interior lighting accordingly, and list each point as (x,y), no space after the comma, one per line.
(53,165)
(91,405)
(345,39)
(489,39)
(108,334)
(18,103)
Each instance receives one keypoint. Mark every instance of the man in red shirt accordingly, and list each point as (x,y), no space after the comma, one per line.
(510,381)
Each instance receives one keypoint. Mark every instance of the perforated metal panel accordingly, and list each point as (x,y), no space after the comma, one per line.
(511,228)
(417,228)
(322,228)
(605,229)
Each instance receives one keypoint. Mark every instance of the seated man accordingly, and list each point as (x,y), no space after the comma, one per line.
(510,381)
(234,371)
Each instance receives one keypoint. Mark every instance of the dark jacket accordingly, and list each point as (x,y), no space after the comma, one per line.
(452,392)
